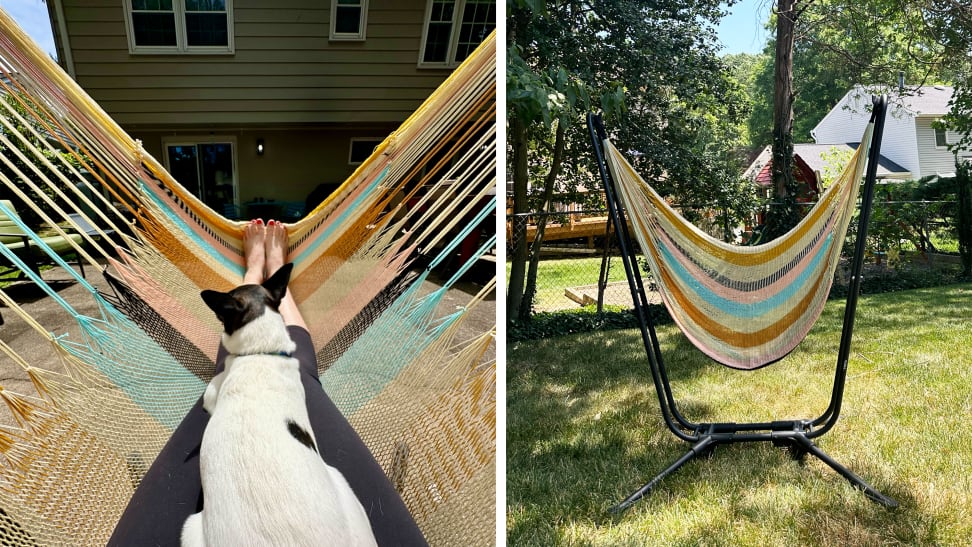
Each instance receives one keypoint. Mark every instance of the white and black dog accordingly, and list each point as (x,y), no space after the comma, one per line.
(263,481)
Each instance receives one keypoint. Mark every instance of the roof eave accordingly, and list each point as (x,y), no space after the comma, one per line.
(62,45)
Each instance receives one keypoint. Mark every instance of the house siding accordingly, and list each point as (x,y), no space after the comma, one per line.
(284,69)
(898,143)
(846,122)
(848,118)
(295,160)
(934,160)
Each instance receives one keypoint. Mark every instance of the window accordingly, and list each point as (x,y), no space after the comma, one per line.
(361,148)
(941,140)
(348,19)
(453,29)
(179,26)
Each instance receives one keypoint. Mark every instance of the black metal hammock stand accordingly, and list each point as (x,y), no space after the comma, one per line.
(795,435)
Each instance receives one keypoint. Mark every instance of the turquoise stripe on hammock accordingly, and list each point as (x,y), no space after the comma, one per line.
(232,266)
(152,379)
(754,309)
(15,260)
(392,342)
(339,221)
(111,326)
(187,229)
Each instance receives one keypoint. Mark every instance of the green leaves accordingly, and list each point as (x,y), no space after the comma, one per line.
(612,102)
(530,96)
(536,6)
(543,95)
(652,69)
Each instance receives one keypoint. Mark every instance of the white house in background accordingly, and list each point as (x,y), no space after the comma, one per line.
(909,138)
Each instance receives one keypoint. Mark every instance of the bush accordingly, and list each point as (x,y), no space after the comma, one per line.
(586,319)
(57,158)
(902,278)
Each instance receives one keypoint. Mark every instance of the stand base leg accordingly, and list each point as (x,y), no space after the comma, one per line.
(703,445)
(797,442)
(858,482)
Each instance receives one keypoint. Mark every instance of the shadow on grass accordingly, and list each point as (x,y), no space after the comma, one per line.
(584,431)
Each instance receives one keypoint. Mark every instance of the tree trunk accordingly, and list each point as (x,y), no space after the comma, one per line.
(548,186)
(514,293)
(964,172)
(784,214)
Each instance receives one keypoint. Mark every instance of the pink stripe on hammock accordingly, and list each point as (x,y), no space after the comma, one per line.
(188,324)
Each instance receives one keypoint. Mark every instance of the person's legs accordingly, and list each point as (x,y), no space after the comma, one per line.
(254,253)
(338,442)
(171,490)
(276,256)
(341,447)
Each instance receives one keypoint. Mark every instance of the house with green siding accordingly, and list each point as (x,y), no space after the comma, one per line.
(258,107)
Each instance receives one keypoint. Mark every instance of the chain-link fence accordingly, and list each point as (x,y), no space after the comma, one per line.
(573,270)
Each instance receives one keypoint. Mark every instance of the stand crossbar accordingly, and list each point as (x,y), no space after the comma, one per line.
(794,435)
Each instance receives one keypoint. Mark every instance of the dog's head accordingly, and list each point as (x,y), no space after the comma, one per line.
(247,304)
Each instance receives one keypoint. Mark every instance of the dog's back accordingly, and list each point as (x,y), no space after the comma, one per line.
(264,482)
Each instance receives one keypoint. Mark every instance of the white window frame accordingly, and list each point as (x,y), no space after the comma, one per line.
(195,140)
(348,36)
(450,61)
(376,140)
(181,47)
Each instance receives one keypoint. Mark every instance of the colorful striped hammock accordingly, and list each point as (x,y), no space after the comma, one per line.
(744,307)
(415,381)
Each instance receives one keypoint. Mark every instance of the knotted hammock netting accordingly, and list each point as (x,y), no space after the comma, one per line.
(743,306)
(418,388)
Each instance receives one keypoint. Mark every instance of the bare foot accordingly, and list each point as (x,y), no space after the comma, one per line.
(276,256)
(254,252)
(276,246)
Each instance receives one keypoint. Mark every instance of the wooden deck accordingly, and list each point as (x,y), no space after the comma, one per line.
(586,227)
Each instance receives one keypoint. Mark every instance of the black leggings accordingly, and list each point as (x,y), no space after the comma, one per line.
(171,489)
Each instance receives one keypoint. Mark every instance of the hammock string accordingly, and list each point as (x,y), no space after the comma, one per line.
(744,306)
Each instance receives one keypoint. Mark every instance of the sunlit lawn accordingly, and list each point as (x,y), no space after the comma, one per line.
(553,276)
(584,430)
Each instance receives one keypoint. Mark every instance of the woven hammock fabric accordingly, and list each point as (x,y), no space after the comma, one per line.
(744,307)
(424,404)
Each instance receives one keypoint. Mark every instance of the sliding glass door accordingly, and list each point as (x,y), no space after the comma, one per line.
(208,170)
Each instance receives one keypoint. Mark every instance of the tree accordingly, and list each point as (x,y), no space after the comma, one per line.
(951,22)
(540,99)
(35,135)
(840,43)
(745,68)
(964,217)
(786,213)
(652,67)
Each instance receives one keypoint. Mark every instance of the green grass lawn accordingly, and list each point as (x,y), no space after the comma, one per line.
(584,430)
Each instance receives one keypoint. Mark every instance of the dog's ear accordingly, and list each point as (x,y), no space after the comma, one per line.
(222,303)
(276,284)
